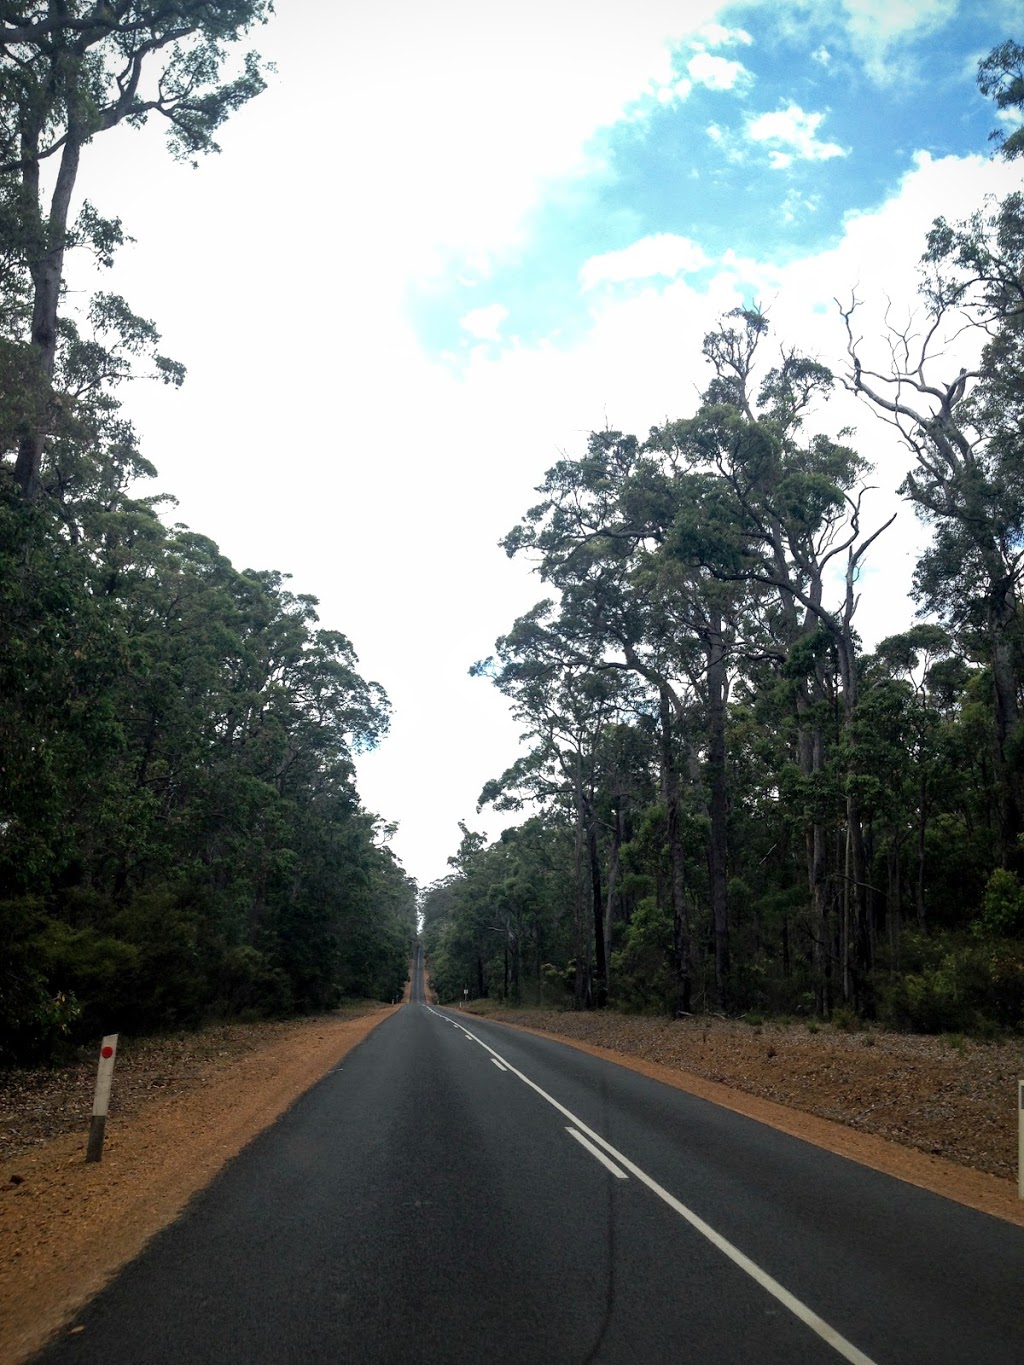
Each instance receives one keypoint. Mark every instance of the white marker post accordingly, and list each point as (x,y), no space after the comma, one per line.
(1020,1139)
(101,1103)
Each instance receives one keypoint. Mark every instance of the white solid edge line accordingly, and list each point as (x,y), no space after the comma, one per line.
(596,1151)
(500,1065)
(835,1339)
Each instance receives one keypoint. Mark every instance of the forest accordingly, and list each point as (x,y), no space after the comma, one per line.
(181,838)
(730,804)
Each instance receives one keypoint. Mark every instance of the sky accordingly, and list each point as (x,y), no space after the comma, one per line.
(451,239)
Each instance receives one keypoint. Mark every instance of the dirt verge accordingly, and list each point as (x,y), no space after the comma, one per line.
(66,1227)
(938,1113)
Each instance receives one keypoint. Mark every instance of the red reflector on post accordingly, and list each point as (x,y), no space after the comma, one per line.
(104,1077)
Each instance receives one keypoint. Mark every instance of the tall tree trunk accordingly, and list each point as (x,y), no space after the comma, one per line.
(46,266)
(922,828)
(609,905)
(858,881)
(597,907)
(856,872)
(680,918)
(718,848)
(538,974)
(846,928)
(1004,686)
(810,752)
(516,993)
(579,980)
(894,909)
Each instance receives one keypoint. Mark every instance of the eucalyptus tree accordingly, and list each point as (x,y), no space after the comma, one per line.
(498,923)
(902,767)
(599,537)
(962,424)
(770,507)
(545,668)
(69,72)
(1001,77)
(711,543)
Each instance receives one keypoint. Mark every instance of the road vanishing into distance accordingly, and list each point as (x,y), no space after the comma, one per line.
(456,1191)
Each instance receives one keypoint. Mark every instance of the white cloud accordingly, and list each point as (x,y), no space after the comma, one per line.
(458,115)
(715,35)
(678,90)
(796,205)
(875,26)
(485,323)
(714,73)
(822,56)
(663,254)
(790,135)
(409,473)
(390,439)
(727,143)
(718,73)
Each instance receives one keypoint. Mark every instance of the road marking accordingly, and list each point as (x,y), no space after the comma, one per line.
(500,1065)
(596,1151)
(800,1310)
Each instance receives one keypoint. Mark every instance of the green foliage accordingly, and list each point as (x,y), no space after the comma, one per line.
(247,984)
(36,1020)
(790,804)
(176,794)
(955,986)
(1001,77)
(642,967)
(805,801)
(101,971)
(1002,908)
(498,924)
(180,832)
(77,76)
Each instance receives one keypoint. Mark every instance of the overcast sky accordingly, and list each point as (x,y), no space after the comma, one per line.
(452,238)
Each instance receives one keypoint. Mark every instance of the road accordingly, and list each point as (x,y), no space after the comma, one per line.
(457,1191)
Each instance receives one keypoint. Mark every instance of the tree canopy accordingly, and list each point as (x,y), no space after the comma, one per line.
(180,832)
(734,803)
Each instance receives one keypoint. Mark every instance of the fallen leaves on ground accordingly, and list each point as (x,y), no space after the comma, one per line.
(41,1104)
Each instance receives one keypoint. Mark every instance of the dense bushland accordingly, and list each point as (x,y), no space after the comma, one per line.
(180,833)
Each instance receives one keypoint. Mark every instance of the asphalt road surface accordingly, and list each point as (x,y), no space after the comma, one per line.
(457,1191)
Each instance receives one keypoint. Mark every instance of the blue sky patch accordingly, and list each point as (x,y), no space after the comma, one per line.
(762,145)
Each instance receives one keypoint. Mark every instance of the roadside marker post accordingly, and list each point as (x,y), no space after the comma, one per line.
(101,1102)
